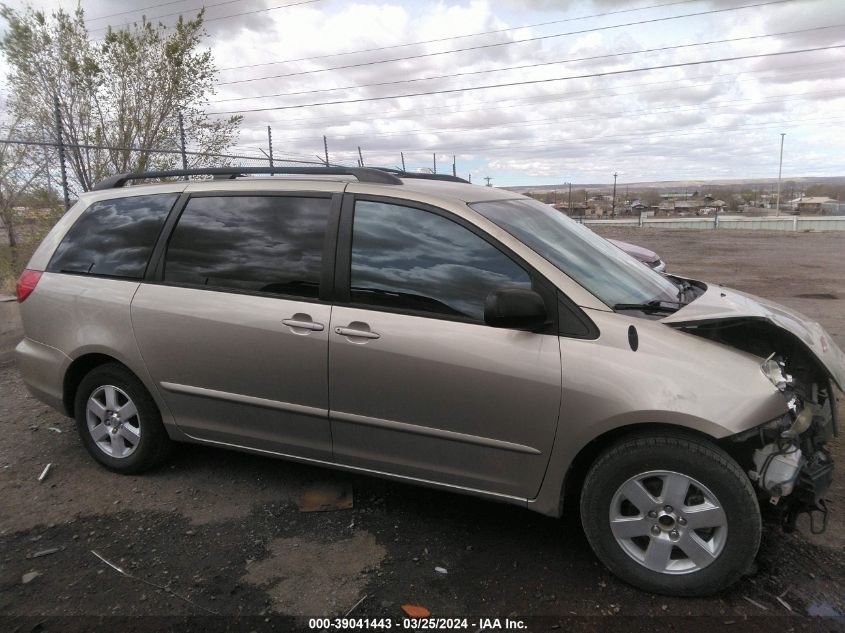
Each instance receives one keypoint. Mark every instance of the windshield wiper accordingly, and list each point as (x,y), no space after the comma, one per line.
(651,306)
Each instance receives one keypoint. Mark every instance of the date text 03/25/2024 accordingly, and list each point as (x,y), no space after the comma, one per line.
(414,624)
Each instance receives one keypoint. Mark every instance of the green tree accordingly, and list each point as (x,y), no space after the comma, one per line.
(123,92)
(579,196)
(837,192)
(650,197)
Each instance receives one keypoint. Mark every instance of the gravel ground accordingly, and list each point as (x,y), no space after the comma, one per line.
(218,533)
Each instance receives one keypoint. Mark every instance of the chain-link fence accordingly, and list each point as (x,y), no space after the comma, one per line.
(39,182)
(42,173)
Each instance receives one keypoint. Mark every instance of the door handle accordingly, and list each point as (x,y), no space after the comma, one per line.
(355,333)
(303,325)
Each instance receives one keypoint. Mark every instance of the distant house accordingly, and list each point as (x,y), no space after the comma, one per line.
(816,205)
(637,207)
(578,208)
(700,206)
(676,195)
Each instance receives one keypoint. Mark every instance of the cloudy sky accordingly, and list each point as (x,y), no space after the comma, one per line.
(578,105)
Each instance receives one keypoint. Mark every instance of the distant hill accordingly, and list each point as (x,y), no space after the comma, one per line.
(676,185)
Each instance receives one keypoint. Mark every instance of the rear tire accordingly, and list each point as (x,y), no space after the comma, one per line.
(672,514)
(118,421)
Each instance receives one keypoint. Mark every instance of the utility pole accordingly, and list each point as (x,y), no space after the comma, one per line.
(780,170)
(326,149)
(182,143)
(402,154)
(488,179)
(469,177)
(569,203)
(454,166)
(360,156)
(61,145)
(613,202)
(270,144)
(434,160)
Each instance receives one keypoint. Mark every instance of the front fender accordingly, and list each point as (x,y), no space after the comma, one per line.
(673,378)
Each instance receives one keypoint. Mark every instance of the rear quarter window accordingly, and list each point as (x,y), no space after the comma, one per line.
(114,238)
(266,244)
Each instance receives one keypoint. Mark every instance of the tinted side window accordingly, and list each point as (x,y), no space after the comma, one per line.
(114,237)
(415,260)
(268,244)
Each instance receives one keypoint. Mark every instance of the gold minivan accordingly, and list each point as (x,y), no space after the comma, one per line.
(424,329)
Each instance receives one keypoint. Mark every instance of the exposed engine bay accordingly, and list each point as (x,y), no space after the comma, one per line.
(786,457)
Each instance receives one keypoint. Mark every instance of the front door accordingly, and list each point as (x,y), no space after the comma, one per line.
(420,387)
(234,332)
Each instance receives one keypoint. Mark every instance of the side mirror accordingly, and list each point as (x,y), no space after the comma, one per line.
(515,308)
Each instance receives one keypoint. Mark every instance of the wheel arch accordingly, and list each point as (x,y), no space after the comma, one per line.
(78,369)
(573,480)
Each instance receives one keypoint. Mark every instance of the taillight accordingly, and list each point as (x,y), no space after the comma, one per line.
(26,284)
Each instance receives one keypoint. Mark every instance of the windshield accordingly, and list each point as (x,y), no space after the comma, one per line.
(599,266)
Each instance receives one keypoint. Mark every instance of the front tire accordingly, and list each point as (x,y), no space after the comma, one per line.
(671,514)
(118,420)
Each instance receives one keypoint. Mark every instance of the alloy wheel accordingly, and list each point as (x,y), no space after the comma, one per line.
(113,421)
(668,522)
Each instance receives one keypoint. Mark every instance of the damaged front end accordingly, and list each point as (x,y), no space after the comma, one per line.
(786,457)
(789,461)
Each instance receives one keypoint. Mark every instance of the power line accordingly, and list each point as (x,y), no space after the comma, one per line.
(613,115)
(534,65)
(545,121)
(497,44)
(458,37)
(512,147)
(222,17)
(532,81)
(641,133)
(152,6)
(555,96)
(150,150)
(597,139)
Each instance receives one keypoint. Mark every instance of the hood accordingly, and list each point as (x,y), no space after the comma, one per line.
(719,304)
(637,252)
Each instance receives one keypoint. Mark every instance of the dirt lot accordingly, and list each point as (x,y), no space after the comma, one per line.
(219,532)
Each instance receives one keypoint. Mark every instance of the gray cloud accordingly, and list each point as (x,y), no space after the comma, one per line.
(707,119)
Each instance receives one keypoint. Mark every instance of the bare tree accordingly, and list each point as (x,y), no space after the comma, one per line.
(22,172)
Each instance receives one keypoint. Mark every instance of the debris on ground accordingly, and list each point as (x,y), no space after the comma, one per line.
(45,472)
(45,552)
(355,606)
(122,572)
(755,603)
(29,576)
(784,603)
(415,611)
(54,429)
(441,570)
(326,498)
(110,564)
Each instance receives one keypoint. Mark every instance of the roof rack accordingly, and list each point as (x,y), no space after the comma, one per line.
(422,175)
(363,174)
